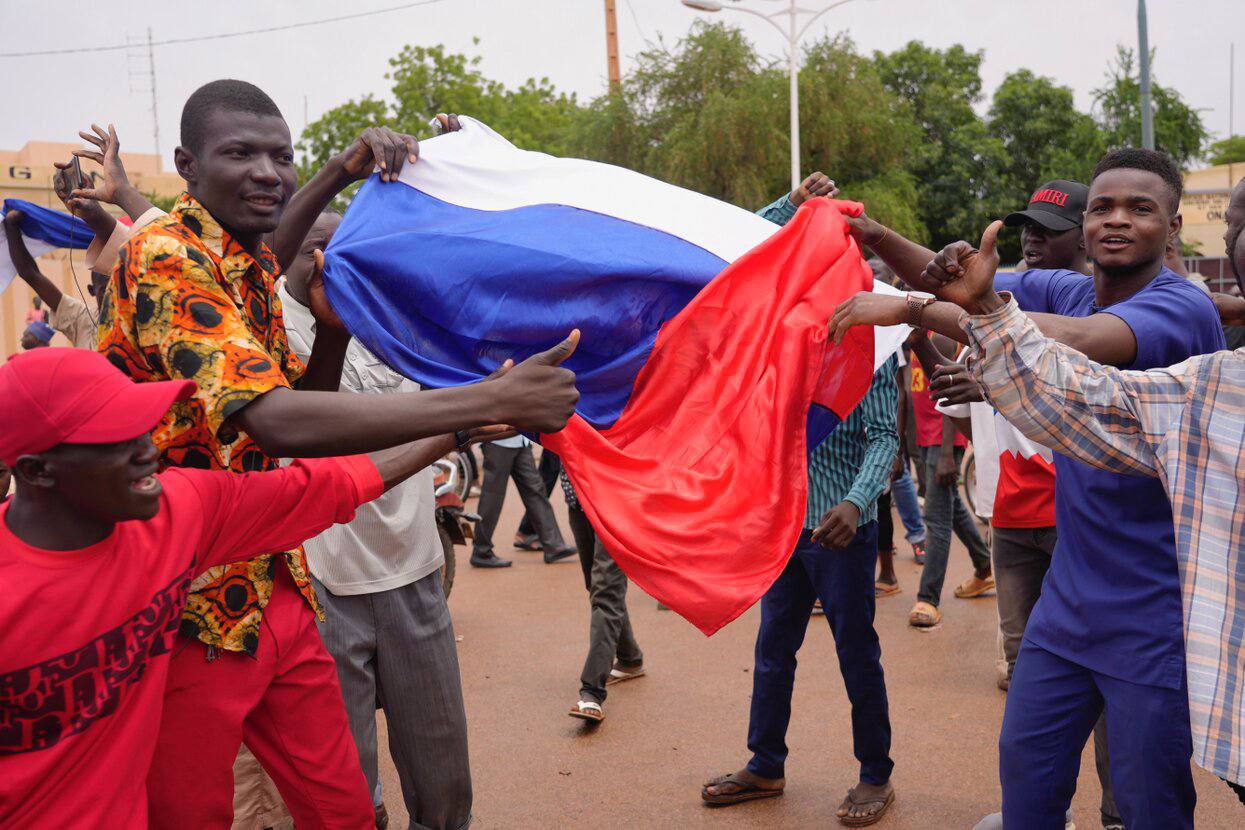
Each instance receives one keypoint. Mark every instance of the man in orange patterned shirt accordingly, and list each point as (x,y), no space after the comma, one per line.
(193,297)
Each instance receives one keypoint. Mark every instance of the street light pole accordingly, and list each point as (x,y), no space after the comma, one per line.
(792,34)
(1147,110)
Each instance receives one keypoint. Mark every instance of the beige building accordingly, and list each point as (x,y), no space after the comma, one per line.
(1205,203)
(27,174)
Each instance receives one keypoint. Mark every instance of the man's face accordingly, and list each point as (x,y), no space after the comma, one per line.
(6,477)
(1233,238)
(29,341)
(300,270)
(1050,249)
(1128,219)
(244,172)
(107,482)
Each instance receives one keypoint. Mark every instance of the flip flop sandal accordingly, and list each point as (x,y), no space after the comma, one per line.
(886,589)
(621,674)
(746,791)
(587,710)
(873,818)
(924,615)
(974,587)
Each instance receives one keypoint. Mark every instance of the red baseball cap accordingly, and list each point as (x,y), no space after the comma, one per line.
(75,396)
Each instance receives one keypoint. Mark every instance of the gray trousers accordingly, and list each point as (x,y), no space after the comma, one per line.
(945,512)
(500,465)
(397,648)
(1021,559)
(609,633)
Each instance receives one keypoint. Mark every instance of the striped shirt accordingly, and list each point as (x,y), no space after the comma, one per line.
(854,463)
(1184,425)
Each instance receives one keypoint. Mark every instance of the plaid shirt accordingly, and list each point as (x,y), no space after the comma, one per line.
(1184,424)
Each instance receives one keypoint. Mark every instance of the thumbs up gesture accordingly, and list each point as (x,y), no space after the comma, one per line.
(964,275)
(538,395)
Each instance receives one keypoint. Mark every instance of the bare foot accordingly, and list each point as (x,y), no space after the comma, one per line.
(865,802)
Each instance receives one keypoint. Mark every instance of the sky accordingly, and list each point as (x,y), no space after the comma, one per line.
(309,70)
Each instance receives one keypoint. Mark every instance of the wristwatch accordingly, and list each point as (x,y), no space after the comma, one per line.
(462,438)
(917,300)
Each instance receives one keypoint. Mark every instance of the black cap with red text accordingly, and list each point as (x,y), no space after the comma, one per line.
(1057,206)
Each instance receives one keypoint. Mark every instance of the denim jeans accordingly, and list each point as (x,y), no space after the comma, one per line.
(843,580)
(903,493)
(944,511)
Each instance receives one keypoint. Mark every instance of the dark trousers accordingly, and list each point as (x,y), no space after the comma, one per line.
(549,467)
(609,633)
(1052,706)
(1021,560)
(843,580)
(886,523)
(500,465)
(944,512)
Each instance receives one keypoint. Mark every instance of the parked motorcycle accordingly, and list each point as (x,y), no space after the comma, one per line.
(454,524)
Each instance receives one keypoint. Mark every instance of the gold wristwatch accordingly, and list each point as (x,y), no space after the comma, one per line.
(917,300)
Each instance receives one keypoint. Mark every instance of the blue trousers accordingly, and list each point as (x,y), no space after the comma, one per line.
(1051,709)
(903,493)
(843,580)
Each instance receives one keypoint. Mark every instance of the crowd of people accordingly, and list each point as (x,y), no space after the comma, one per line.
(196,632)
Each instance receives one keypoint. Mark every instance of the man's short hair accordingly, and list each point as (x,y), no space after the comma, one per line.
(226,94)
(1152,161)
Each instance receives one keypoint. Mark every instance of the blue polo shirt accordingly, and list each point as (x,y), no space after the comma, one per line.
(1111,599)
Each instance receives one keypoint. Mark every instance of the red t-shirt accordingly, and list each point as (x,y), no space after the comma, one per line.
(86,635)
(928,419)
(1026,491)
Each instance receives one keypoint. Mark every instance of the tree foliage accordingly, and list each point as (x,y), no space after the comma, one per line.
(1230,150)
(901,131)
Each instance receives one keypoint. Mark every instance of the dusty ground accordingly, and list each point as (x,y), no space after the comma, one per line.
(524,633)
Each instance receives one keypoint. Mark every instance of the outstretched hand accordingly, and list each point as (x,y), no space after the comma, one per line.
(538,395)
(817,184)
(379,147)
(867,308)
(964,275)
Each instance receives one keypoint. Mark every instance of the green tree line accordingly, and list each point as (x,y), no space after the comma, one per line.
(907,132)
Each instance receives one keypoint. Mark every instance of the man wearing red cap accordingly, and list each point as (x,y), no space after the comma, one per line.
(193,297)
(97,554)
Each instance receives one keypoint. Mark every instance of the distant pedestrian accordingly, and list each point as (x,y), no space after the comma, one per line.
(504,460)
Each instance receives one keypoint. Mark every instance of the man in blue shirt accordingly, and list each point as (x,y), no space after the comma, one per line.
(834,561)
(1107,630)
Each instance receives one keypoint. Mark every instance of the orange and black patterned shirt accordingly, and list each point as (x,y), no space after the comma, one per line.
(187,302)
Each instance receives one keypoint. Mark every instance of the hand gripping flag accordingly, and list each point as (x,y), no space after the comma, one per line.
(43,230)
(704,364)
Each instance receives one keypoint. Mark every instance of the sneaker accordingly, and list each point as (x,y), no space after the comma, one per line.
(490,560)
(918,552)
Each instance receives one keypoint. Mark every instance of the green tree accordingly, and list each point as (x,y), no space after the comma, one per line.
(958,164)
(1178,128)
(1230,150)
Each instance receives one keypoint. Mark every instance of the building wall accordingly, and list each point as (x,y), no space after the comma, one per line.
(1205,203)
(27,174)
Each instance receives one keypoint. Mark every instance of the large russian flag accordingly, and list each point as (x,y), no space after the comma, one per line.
(704,367)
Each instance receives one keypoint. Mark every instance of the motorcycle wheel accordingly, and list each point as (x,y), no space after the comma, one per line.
(468,472)
(447,569)
(968,479)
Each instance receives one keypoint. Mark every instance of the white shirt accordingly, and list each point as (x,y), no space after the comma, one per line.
(393,540)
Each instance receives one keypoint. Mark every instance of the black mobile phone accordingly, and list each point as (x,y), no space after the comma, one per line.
(71,176)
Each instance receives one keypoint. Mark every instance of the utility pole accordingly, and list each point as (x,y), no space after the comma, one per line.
(611,45)
(1147,108)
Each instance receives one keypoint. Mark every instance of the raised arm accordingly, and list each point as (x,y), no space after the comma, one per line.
(375,147)
(25,264)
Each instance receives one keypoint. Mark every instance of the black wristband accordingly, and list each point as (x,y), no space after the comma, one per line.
(462,438)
